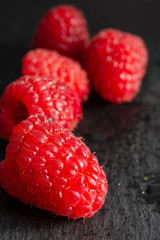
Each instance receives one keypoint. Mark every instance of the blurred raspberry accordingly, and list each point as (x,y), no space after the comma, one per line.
(64,29)
(116,64)
(43,62)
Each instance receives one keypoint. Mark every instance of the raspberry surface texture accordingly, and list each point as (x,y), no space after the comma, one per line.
(64,29)
(43,62)
(48,167)
(38,95)
(116,63)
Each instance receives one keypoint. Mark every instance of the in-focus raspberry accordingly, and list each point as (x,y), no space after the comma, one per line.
(38,95)
(48,167)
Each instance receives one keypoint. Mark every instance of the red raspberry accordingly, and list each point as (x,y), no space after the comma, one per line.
(38,95)
(48,167)
(64,29)
(116,63)
(43,62)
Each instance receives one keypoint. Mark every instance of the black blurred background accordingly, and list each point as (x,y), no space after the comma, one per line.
(19,20)
(126,137)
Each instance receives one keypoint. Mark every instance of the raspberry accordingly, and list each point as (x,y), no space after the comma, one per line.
(43,62)
(63,29)
(38,95)
(116,63)
(48,167)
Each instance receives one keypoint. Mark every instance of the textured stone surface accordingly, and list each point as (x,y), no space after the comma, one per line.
(126,138)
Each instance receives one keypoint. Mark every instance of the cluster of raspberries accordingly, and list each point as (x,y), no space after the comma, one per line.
(45,164)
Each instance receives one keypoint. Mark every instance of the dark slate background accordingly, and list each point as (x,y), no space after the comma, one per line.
(126,138)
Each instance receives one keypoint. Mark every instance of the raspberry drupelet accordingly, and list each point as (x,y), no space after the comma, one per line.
(116,63)
(48,167)
(48,63)
(64,29)
(38,95)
